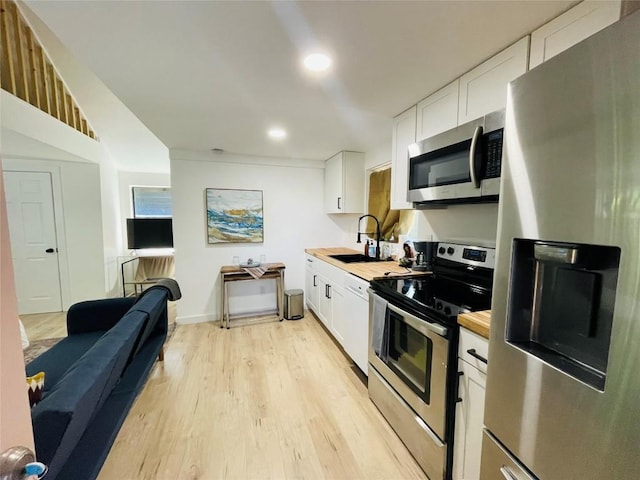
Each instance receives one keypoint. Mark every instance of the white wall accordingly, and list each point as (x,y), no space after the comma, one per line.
(468,223)
(379,156)
(293,193)
(112,234)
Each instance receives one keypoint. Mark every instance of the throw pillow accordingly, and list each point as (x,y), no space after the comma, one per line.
(35,385)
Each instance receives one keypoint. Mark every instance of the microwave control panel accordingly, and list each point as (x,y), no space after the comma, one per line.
(493,146)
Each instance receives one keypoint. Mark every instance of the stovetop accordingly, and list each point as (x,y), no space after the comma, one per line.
(458,284)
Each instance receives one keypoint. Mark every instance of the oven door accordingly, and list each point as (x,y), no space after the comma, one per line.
(447,166)
(411,355)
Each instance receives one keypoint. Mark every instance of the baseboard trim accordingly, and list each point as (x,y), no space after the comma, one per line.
(188,319)
(211,317)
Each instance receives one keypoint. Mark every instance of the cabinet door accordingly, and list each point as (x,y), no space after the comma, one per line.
(344,183)
(438,112)
(484,89)
(571,27)
(324,300)
(339,321)
(469,418)
(333,185)
(403,135)
(311,284)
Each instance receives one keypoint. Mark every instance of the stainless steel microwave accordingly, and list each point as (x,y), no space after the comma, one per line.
(461,165)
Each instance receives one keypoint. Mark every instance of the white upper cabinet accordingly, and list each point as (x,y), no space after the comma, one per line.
(571,27)
(484,89)
(344,183)
(438,112)
(403,135)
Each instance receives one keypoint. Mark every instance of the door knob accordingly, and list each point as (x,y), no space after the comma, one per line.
(18,463)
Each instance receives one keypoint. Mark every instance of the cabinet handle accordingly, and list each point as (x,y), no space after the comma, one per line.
(314,281)
(328,291)
(339,207)
(459,399)
(473,353)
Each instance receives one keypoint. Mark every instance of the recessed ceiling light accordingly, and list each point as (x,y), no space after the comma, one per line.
(317,62)
(277,133)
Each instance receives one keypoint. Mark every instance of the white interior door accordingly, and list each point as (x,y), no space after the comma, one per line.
(33,241)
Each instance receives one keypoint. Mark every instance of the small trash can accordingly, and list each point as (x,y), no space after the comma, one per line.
(293,304)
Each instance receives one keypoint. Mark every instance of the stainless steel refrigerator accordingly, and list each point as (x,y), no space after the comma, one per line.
(563,381)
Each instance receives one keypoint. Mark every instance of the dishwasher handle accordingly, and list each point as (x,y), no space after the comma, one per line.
(356,291)
(357,286)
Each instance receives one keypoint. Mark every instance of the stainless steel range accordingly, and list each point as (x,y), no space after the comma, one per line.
(413,340)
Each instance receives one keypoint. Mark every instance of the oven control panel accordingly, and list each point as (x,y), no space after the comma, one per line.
(468,254)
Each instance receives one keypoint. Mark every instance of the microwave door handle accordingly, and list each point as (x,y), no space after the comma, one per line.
(473,164)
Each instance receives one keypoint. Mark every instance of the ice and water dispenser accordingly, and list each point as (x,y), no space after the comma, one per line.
(561,305)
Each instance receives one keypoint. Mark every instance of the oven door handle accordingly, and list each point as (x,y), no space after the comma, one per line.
(419,324)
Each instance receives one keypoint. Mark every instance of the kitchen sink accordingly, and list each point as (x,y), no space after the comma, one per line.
(354,258)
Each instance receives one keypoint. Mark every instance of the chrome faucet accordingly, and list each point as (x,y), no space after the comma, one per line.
(366,233)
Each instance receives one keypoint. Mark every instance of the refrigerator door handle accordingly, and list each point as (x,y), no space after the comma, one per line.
(507,474)
(472,157)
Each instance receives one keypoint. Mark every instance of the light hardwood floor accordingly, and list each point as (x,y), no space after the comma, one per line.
(268,400)
(40,326)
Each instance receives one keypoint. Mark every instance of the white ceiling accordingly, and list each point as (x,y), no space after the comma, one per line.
(203,74)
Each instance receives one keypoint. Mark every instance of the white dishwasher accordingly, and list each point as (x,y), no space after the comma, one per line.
(356,304)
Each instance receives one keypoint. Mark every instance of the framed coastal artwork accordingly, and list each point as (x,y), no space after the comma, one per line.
(234,216)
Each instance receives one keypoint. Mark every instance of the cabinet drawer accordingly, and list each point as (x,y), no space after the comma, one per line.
(310,262)
(473,348)
(333,274)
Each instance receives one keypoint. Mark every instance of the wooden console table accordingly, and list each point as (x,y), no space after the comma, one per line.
(234,273)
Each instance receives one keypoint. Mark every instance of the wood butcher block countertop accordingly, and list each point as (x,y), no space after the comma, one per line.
(365,270)
(478,322)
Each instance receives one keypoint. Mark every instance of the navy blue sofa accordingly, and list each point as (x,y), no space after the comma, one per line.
(92,378)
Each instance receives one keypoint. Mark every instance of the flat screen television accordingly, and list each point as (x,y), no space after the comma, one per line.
(149,233)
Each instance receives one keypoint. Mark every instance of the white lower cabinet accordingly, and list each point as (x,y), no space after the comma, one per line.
(339,321)
(311,288)
(324,311)
(470,407)
(329,285)
(345,314)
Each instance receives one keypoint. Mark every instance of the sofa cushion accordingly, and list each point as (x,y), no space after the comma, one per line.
(94,315)
(61,418)
(58,359)
(124,334)
(153,303)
